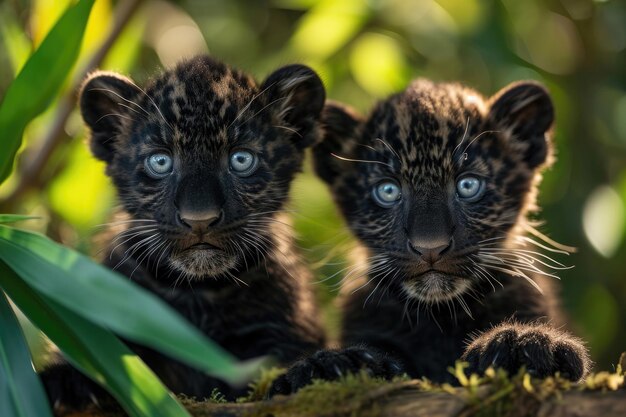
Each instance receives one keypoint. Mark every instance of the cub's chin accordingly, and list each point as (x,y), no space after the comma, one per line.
(435,287)
(203,261)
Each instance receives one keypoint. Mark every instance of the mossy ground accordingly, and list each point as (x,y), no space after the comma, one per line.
(360,395)
(494,394)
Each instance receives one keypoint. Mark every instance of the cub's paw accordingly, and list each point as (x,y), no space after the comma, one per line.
(330,365)
(69,390)
(542,349)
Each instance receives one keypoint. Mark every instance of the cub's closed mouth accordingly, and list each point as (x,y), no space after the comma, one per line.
(202,246)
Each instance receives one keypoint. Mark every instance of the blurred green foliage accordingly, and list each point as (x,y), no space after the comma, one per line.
(365,50)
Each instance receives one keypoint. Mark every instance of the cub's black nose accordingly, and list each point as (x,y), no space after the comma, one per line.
(201,221)
(430,250)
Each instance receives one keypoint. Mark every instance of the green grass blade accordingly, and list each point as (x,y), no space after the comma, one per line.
(114,302)
(95,351)
(21,393)
(40,79)
(12,218)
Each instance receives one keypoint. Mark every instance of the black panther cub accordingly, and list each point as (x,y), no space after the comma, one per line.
(202,161)
(436,185)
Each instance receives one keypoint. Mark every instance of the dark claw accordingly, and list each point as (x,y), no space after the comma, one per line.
(396,368)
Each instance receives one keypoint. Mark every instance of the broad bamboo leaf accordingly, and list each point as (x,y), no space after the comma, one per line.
(114,302)
(7,404)
(21,393)
(95,351)
(12,218)
(40,79)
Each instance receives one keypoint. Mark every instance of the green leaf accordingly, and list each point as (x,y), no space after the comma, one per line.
(114,302)
(40,79)
(21,393)
(95,351)
(12,218)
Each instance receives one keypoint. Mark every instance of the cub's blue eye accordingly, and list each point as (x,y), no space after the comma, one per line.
(158,165)
(386,193)
(470,188)
(243,163)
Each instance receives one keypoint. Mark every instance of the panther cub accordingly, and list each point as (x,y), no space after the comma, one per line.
(436,184)
(202,161)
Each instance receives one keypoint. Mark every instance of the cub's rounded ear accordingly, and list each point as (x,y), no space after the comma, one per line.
(341,126)
(524,111)
(104,98)
(296,94)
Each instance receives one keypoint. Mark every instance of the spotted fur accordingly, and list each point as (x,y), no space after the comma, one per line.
(477,269)
(236,277)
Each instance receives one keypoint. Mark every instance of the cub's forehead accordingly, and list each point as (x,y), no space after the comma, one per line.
(201,102)
(205,88)
(424,130)
(428,114)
